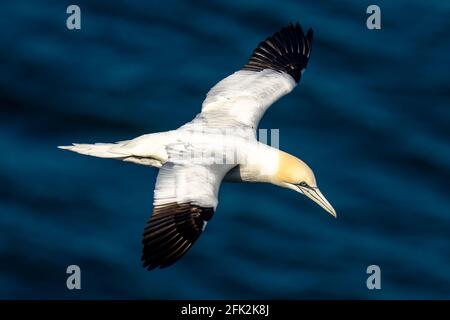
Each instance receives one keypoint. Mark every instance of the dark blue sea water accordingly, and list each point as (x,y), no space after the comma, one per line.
(371,117)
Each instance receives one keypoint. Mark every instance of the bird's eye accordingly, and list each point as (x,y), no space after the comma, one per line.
(303,184)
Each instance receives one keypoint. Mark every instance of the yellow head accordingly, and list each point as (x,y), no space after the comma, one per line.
(294,174)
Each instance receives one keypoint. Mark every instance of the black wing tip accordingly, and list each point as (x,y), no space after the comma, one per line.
(171,232)
(288,50)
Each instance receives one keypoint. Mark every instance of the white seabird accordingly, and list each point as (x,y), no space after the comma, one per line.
(191,158)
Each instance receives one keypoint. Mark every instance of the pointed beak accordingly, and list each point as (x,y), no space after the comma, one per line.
(315,195)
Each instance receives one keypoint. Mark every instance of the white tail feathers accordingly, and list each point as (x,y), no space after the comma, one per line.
(101,150)
(148,150)
(118,151)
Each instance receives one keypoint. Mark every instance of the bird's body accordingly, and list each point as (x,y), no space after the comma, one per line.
(219,144)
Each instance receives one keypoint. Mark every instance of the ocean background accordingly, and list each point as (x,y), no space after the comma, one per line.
(371,117)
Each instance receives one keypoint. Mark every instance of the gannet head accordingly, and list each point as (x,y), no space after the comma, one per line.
(294,174)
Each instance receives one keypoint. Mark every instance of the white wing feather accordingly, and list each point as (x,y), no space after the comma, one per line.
(242,98)
(184,183)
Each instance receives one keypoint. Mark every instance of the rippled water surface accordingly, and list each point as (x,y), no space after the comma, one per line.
(371,117)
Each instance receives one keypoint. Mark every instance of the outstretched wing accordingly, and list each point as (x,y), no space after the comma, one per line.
(273,70)
(185,199)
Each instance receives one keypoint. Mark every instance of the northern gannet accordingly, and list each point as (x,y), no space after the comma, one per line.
(218,144)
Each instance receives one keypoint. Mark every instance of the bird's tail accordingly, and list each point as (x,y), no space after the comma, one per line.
(147,150)
(101,150)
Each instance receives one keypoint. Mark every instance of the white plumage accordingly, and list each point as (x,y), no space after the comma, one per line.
(220,142)
(242,98)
